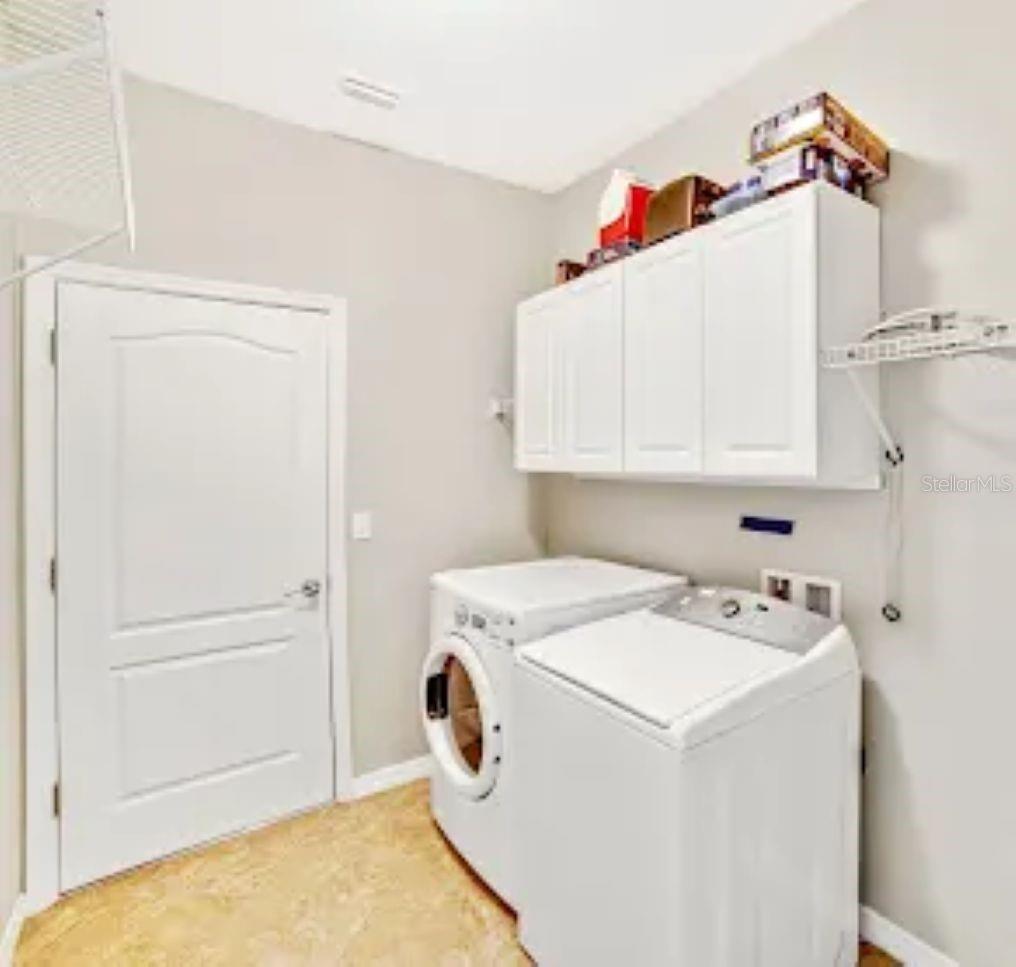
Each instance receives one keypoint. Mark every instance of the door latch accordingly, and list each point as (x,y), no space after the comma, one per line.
(310,590)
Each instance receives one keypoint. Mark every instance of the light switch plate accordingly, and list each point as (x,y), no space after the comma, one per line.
(362,525)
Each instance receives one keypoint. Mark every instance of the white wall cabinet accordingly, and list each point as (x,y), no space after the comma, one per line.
(569,372)
(663,385)
(538,333)
(698,359)
(760,341)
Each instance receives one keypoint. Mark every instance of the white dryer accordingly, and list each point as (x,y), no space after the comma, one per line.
(688,782)
(478,617)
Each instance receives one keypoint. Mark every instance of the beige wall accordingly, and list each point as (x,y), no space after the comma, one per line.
(10,686)
(940,794)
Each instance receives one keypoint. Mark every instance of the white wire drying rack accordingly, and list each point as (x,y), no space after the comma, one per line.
(916,334)
(947,333)
(927,333)
(63,146)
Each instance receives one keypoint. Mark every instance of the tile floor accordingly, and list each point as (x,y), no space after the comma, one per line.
(367,883)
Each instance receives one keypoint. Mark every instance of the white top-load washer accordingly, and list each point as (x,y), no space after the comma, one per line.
(478,617)
(688,788)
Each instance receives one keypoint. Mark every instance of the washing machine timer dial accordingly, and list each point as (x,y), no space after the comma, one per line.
(461,616)
(730,608)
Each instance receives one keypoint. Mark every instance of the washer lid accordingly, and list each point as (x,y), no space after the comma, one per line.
(655,667)
(553,584)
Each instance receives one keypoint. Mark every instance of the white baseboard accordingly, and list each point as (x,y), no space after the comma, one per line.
(391,776)
(12,930)
(894,940)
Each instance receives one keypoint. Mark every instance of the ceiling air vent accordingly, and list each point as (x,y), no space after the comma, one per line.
(371,93)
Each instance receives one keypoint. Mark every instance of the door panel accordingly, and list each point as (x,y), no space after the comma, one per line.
(592,353)
(192,487)
(663,358)
(170,413)
(169,715)
(761,342)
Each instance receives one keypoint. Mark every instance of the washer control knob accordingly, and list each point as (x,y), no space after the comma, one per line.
(730,608)
(462,616)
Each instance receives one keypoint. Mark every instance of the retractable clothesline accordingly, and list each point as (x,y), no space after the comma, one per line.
(63,149)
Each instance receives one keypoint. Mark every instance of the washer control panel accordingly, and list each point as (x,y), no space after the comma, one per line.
(748,614)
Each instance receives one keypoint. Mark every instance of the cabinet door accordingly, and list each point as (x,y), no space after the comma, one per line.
(663,358)
(761,341)
(538,332)
(592,356)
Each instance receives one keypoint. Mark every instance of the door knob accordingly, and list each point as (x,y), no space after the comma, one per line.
(310,589)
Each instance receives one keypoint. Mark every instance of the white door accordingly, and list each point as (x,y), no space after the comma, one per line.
(192,476)
(538,329)
(663,358)
(761,341)
(592,372)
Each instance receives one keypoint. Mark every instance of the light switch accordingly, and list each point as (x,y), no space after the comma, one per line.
(362,526)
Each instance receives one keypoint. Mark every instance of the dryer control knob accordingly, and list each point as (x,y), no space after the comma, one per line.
(461,615)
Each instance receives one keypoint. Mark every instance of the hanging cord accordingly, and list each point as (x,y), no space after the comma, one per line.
(894,543)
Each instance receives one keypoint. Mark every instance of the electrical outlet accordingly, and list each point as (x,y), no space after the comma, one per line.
(501,409)
(822,595)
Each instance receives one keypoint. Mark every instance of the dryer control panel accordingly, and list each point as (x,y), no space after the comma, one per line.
(471,621)
(748,614)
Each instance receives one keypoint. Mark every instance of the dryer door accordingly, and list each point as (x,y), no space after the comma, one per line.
(460,717)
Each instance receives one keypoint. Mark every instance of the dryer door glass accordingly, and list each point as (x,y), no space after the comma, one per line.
(464,715)
(460,717)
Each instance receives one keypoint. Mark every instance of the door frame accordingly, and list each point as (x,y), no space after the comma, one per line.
(39,510)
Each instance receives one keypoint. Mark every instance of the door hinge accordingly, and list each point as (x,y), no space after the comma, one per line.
(52,574)
(56,800)
(52,346)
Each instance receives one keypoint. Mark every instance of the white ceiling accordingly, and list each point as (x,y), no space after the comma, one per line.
(533,92)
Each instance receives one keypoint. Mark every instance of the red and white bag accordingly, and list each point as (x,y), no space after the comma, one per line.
(623,209)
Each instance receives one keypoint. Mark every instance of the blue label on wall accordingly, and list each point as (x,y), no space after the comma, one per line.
(768,525)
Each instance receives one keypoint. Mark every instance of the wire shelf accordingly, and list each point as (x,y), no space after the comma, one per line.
(63,150)
(969,335)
